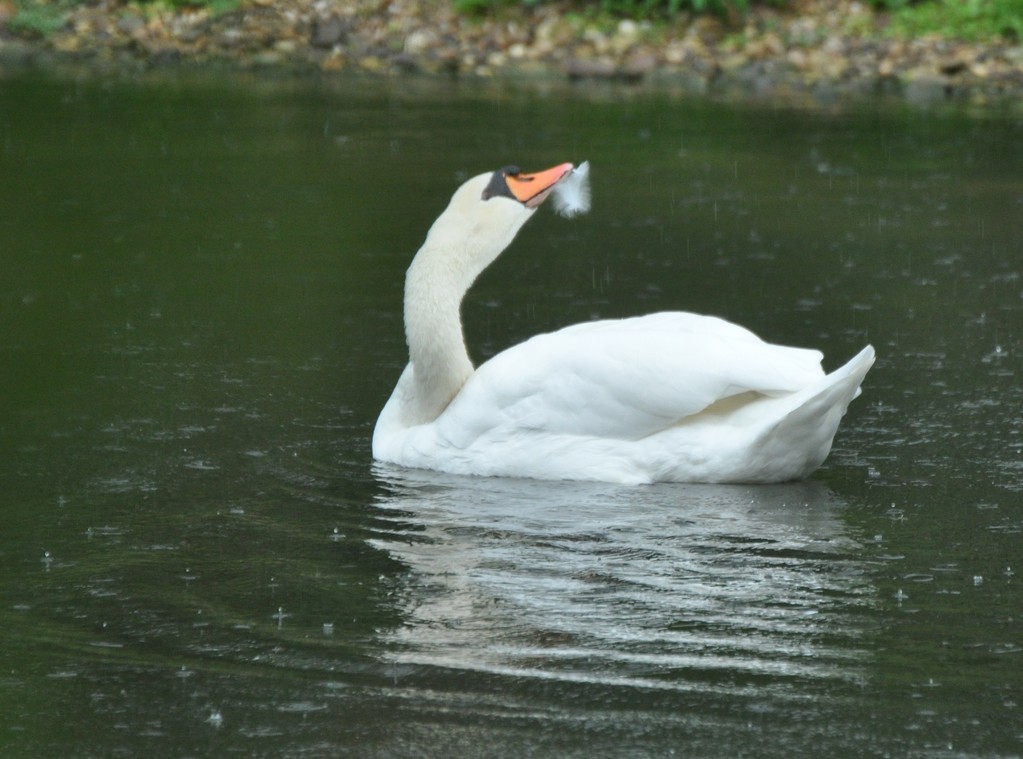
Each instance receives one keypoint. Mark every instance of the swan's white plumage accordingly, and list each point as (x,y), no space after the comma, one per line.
(664,397)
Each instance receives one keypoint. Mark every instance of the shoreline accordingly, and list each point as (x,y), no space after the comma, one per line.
(811,52)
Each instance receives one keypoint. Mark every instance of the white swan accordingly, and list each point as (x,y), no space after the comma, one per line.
(665,397)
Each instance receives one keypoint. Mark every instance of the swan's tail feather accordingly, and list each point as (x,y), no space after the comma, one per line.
(807,428)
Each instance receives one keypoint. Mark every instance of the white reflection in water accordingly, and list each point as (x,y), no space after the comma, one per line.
(664,586)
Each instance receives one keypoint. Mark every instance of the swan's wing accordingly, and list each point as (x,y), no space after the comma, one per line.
(622,379)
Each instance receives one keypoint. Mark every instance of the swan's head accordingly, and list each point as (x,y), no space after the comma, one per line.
(529,190)
(486,212)
(502,200)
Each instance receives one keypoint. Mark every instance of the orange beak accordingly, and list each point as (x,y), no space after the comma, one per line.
(533,189)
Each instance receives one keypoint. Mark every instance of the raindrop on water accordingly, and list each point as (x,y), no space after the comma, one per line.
(280,616)
(996,354)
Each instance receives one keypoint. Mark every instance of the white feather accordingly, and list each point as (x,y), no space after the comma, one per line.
(572,194)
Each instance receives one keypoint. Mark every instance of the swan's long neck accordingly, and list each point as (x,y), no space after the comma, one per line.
(462,242)
(434,287)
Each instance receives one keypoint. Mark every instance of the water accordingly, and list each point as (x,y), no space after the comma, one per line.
(200,320)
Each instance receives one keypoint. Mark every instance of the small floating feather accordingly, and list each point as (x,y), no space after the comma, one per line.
(572,194)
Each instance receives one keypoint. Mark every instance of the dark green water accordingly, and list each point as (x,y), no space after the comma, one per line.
(200,284)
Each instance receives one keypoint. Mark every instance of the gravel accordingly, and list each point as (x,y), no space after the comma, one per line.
(810,51)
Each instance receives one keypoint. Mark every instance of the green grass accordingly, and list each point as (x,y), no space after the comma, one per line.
(629,8)
(977,20)
(962,19)
(42,18)
(38,18)
(215,7)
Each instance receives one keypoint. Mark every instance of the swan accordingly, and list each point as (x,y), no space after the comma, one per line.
(667,397)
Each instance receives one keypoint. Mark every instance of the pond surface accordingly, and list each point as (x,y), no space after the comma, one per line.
(200,318)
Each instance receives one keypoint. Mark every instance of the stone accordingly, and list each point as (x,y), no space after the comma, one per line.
(421,41)
(7,12)
(267,58)
(639,64)
(405,63)
(130,24)
(230,38)
(590,68)
(333,63)
(328,32)
(922,88)
(189,33)
(161,54)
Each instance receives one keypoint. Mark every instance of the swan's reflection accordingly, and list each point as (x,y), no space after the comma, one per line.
(667,586)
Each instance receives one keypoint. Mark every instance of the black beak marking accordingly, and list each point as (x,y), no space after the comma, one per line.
(498,185)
